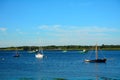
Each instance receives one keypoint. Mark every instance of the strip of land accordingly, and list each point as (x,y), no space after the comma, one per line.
(67,47)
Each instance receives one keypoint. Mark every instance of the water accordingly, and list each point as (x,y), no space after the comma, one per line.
(57,65)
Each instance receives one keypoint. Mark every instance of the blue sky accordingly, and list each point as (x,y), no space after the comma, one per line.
(59,22)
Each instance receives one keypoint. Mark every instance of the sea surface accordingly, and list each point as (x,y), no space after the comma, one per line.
(59,65)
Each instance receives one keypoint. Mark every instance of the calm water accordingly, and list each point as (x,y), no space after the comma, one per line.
(57,65)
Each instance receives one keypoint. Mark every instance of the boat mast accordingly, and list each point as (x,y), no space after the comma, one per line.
(16,51)
(96,52)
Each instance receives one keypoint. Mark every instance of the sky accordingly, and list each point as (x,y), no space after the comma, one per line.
(59,22)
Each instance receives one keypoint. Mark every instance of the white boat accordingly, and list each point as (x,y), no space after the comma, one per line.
(64,51)
(31,51)
(39,54)
(84,51)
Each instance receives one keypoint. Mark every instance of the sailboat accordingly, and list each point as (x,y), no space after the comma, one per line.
(16,54)
(31,51)
(39,54)
(97,60)
(83,51)
(64,51)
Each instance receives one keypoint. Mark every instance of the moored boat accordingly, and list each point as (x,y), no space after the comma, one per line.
(97,60)
(16,54)
(39,55)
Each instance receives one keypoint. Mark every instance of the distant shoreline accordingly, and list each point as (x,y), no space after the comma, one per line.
(69,47)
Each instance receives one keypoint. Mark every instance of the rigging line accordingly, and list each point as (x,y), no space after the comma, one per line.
(91,53)
(88,53)
(102,53)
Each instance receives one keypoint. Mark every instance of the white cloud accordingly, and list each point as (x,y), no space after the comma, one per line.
(77,28)
(99,29)
(20,31)
(43,27)
(3,29)
(50,27)
(77,34)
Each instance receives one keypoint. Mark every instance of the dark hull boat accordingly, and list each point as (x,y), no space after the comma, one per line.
(16,55)
(97,60)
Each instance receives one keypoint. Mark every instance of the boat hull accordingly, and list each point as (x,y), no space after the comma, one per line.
(96,61)
(16,56)
(39,55)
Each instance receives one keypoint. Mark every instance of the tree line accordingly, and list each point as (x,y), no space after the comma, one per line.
(67,47)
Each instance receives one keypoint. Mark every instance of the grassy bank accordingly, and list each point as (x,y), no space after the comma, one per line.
(69,47)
